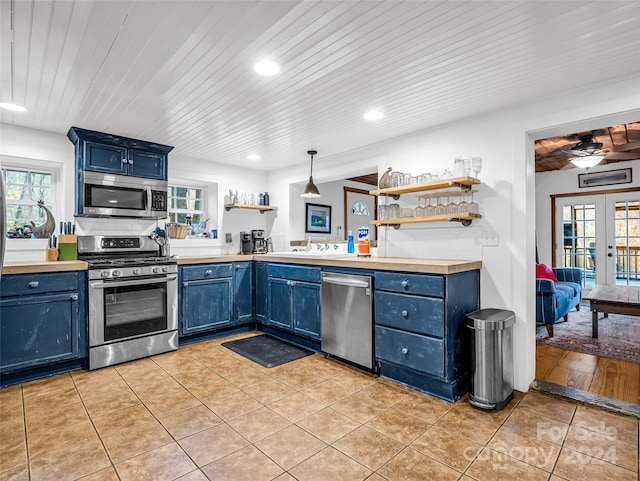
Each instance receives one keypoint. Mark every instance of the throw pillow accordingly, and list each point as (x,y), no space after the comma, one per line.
(545,272)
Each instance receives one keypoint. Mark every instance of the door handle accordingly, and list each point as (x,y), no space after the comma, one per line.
(610,254)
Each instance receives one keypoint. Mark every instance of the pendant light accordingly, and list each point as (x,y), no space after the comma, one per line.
(310,190)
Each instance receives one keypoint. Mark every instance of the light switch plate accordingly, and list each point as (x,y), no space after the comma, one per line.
(489,238)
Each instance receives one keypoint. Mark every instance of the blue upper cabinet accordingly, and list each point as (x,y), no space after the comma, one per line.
(114,154)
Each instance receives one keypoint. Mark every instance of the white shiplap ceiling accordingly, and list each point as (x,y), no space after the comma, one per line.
(180,72)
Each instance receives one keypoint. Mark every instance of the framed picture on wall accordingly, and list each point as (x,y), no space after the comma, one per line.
(318,219)
(609,177)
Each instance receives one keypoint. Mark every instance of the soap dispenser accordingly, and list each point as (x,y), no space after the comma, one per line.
(350,246)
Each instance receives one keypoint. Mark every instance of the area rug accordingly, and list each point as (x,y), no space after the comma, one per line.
(266,350)
(618,335)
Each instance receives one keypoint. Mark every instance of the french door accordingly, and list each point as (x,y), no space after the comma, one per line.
(600,234)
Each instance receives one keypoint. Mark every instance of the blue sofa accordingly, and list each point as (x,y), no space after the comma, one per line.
(554,300)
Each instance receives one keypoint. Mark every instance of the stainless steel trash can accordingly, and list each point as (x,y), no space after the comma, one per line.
(492,358)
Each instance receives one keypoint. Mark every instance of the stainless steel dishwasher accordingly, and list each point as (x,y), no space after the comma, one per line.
(347,324)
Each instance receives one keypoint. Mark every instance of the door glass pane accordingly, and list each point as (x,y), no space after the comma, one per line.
(579,240)
(627,242)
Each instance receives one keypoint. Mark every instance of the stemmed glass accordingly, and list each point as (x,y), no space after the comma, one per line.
(476,165)
(441,208)
(452,207)
(463,206)
(420,211)
(473,206)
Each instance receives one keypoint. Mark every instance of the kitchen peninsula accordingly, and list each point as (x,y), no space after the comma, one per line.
(420,308)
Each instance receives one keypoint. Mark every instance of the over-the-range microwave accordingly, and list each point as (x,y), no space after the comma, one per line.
(111,195)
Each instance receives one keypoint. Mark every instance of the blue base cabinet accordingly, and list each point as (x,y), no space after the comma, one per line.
(42,324)
(214,297)
(205,297)
(261,296)
(243,304)
(420,329)
(293,293)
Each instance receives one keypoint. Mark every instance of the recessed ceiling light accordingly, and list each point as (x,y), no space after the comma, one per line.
(374,115)
(268,68)
(12,107)
(253,157)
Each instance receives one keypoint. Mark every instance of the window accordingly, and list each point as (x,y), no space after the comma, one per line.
(359,208)
(24,188)
(186,201)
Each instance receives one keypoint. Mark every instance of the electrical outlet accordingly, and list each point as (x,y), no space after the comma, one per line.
(489,238)
(227,238)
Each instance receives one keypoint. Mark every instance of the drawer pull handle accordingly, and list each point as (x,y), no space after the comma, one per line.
(405,283)
(404,313)
(124,161)
(34,284)
(74,297)
(208,272)
(405,350)
(131,161)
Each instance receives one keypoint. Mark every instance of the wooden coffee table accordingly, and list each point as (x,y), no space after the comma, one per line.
(612,300)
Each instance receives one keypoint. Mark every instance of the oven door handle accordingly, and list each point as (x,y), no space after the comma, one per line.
(149,198)
(135,282)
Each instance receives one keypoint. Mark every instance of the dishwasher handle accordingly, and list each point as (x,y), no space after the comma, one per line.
(345,282)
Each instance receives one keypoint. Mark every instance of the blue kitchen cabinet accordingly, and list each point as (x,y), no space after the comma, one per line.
(205,302)
(261,292)
(43,324)
(243,292)
(294,299)
(421,338)
(112,154)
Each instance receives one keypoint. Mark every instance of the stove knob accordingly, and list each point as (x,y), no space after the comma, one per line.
(137,271)
(116,273)
(155,270)
(165,269)
(104,274)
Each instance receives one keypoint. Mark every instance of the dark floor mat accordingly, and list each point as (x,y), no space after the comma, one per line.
(266,350)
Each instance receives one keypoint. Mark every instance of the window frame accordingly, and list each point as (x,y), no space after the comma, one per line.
(187,185)
(37,167)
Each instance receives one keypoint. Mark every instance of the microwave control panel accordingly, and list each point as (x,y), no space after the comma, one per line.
(158,200)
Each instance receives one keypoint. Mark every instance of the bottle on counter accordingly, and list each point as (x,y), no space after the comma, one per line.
(363,242)
(266,198)
(350,245)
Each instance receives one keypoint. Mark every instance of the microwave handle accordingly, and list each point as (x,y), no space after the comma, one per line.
(149,197)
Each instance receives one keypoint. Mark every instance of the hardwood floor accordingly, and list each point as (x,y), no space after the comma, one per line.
(613,378)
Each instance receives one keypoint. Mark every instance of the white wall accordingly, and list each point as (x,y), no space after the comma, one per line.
(20,146)
(507,196)
(564,182)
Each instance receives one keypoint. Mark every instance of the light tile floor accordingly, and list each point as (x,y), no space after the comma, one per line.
(205,413)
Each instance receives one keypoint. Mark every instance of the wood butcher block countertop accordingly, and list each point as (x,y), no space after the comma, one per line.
(30,267)
(425,266)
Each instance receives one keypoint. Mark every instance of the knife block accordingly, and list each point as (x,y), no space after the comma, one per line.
(52,255)
(68,247)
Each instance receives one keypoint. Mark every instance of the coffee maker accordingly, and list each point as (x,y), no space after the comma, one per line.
(246,241)
(259,241)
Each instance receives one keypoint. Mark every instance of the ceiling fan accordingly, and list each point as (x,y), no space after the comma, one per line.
(587,146)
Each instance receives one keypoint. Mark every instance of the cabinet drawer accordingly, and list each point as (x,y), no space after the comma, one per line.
(425,285)
(23,284)
(294,273)
(423,315)
(206,271)
(410,350)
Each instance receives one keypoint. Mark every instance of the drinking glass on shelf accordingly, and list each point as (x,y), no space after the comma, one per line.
(430,209)
(446,173)
(441,208)
(473,206)
(394,211)
(426,177)
(395,178)
(452,207)
(458,167)
(382,212)
(408,212)
(407,179)
(476,165)
(420,211)
(467,166)
(463,206)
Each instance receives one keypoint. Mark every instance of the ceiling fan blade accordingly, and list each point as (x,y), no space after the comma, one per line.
(622,156)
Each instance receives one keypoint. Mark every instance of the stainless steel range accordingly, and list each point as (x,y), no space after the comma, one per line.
(133,299)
